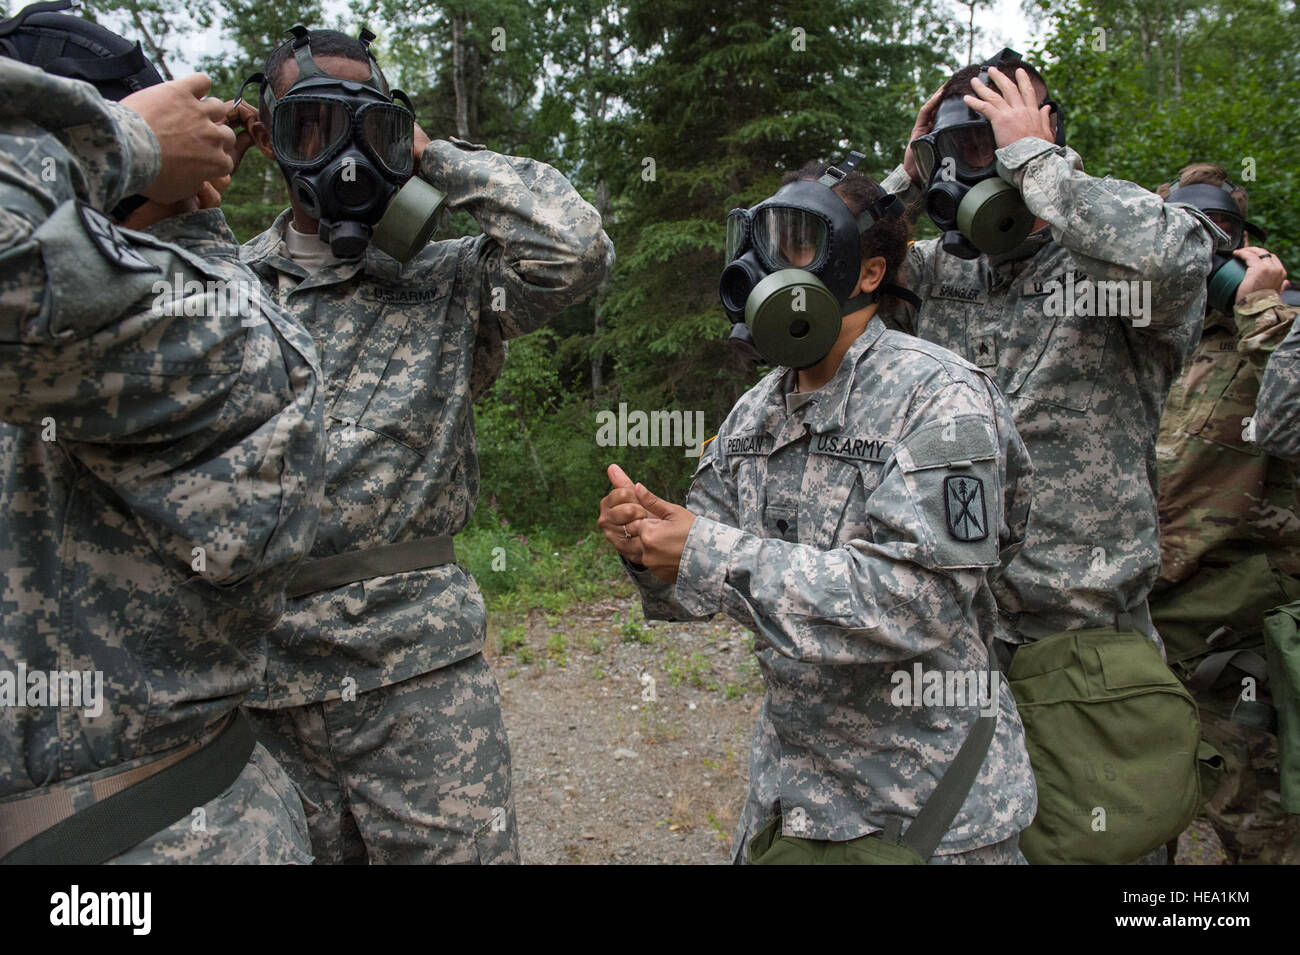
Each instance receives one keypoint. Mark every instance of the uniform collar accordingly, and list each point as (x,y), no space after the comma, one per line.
(1217,319)
(826,411)
(1032,245)
(268,254)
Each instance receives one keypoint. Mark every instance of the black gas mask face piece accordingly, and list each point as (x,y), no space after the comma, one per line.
(977,210)
(1227,271)
(346,149)
(45,35)
(793,262)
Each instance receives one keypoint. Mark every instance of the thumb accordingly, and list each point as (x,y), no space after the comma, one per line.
(617,476)
(656,507)
(196,83)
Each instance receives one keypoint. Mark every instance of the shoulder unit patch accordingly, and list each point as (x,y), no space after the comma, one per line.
(963,501)
(110,241)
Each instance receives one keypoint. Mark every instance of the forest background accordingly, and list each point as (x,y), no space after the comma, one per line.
(667,113)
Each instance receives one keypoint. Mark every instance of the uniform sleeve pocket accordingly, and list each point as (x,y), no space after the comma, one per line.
(950,469)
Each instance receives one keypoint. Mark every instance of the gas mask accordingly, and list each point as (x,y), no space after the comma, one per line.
(978,211)
(1227,271)
(346,149)
(793,262)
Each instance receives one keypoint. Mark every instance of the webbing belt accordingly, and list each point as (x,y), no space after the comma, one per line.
(934,820)
(1036,628)
(193,776)
(327,573)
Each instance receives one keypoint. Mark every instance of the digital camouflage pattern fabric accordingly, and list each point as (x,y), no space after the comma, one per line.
(1277,413)
(1086,388)
(159,461)
(855,534)
(430,748)
(405,350)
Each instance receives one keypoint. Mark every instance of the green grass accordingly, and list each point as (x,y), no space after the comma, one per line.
(696,671)
(518,572)
(633,629)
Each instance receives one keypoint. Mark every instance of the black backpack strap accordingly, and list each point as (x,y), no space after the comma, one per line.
(100,69)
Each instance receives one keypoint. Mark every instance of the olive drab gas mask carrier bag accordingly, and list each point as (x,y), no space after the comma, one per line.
(1115,744)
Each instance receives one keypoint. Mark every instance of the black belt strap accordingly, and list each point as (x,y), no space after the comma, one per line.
(326,573)
(935,818)
(113,825)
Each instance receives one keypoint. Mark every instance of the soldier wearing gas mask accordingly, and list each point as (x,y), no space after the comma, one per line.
(851,511)
(378,699)
(1082,297)
(1229,527)
(161,460)
(1014,286)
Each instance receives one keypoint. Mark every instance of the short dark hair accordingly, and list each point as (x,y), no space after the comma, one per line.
(323,43)
(887,239)
(959,83)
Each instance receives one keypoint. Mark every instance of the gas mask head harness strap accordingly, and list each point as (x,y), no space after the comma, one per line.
(46,35)
(346,148)
(793,263)
(977,210)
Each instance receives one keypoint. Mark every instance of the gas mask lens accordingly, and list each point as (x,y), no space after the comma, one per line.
(306,129)
(788,238)
(737,231)
(923,153)
(971,146)
(1234,226)
(389,131)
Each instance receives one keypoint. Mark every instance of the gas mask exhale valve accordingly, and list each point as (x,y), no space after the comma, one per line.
(346,148)
(793,263)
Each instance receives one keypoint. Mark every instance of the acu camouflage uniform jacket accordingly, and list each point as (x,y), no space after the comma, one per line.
(405,350)
(159,461)
(1086,390)
(1277,412)
(855,534)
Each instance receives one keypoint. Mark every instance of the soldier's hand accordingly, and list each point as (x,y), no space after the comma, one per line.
(197,145)
(243,118)
(150,212)
(924,123)
(663,534)
(618,509)
(1012,108)
(1264,270)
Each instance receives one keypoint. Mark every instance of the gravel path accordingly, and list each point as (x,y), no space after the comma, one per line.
(628,745)
(630,740)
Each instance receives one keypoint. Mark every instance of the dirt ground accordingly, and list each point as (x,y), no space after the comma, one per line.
(628,747)
(630,740)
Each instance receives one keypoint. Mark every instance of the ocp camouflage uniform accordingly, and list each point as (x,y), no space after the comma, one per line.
(1086,391)
(829,530)
(378,698)
(1230,545)
(159,475)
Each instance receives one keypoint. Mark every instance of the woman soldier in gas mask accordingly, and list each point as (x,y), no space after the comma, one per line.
(850,511)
